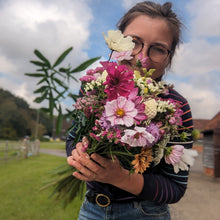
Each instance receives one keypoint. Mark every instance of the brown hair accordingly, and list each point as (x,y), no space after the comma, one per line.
(155,10)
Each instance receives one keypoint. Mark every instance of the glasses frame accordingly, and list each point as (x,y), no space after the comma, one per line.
(149,48)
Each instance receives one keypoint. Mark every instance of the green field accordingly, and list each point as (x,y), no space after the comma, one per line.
(21,199)
(60,145)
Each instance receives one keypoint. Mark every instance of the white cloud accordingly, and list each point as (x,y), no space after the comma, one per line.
(203,102)
(50,26)
(205,17)
(197,57)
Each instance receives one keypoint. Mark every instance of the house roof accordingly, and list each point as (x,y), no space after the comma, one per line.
(200,124)
(213,123)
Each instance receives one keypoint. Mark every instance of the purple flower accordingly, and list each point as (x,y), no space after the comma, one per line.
(154,130)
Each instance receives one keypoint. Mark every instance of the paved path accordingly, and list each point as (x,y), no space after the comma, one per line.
(60,153)
(201,200)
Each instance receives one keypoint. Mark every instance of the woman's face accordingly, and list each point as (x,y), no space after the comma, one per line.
(150,31)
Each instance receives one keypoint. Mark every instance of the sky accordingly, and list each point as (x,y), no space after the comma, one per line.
(52,26)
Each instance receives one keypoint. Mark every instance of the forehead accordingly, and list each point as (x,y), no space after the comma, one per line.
(150,30)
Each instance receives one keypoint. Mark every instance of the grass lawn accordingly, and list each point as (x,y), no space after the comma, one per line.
(60,145)
(21,199)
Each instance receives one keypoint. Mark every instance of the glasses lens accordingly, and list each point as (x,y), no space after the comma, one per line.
(158,53)
(138,46)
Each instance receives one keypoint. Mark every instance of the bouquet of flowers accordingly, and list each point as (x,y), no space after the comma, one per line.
(125,113)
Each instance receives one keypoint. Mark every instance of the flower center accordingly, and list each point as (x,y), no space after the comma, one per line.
(120,112)
(137,135)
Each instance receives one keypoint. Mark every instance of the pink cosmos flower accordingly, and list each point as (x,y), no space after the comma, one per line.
(133,96)
(123,55)
(119,81)
(138,137)
(144,60)
(173,154)
(120,111)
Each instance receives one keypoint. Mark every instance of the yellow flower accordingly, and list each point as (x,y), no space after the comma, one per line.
(118,42)
(137,74)
(143,160)
(150,108)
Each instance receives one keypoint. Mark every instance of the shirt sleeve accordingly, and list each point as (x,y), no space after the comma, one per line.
(162,184)
(71,135)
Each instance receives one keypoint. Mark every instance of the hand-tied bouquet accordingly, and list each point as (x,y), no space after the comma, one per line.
(125,113)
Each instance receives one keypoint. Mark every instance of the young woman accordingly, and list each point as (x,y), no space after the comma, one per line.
(112,192)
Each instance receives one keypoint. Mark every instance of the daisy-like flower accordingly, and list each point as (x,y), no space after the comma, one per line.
(118,81)
(143,160)
(173,154)
(116,41)
(187,159)
(133,96)
(138,137)
(120,111)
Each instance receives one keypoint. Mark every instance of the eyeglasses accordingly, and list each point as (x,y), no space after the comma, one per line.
(156,52)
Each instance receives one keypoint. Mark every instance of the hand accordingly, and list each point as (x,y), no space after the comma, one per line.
(96,167)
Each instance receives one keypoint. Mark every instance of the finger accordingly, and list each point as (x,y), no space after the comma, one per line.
(80,176)
(84,171)
(70,160)
(102,161)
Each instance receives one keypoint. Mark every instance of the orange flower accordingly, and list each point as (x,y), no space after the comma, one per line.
(142,161)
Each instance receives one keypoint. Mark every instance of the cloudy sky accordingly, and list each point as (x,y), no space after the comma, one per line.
(52,26)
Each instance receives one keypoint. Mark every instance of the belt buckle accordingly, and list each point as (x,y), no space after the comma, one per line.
(102,200)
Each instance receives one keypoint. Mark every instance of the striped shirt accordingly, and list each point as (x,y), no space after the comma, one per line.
(161,183)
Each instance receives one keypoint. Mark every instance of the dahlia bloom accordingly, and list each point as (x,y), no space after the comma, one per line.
(138,137)
(120,111)
(151,108)
(143,160)
(118,81)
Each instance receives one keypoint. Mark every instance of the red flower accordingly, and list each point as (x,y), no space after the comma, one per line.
(119,81)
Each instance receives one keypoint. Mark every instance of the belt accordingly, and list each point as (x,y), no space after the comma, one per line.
(103,200)
(99,199)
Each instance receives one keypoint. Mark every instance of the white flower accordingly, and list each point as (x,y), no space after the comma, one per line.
(150,108)
(186,160)
(138,137)
(118,42)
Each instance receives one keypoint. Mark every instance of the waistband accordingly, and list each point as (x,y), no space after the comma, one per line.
(104,200)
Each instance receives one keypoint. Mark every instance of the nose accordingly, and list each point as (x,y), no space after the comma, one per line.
(145,50)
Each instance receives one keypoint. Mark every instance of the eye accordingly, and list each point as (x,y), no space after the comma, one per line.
(159,49)
(136,40)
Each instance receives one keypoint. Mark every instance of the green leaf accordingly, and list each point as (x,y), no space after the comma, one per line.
(41,89)
(35,74)
(39,99)
(46,110)
(60,83)
(84,65)
(42,57)
(42,80)
(59,123)
(38,63)
(62,57)
(51,104)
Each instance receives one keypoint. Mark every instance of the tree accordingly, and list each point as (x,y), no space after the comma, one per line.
(53,82)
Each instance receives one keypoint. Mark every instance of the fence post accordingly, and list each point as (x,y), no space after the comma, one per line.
(6,150)
(37,146)
(25,148)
